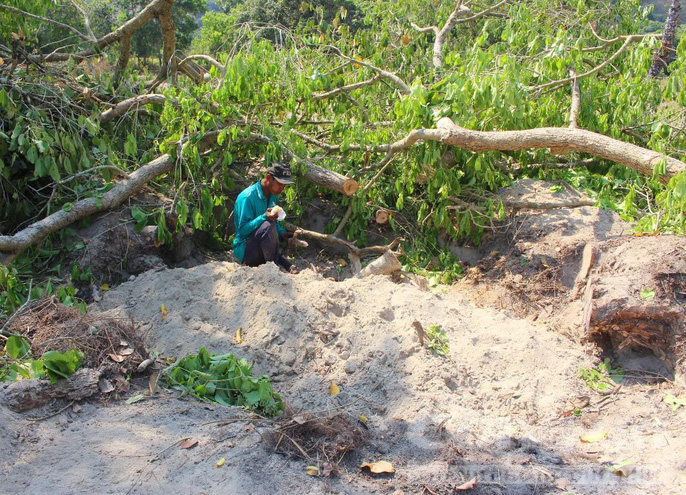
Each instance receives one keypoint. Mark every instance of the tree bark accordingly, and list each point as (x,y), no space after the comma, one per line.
(13,245)
(156,9)
(124,106)
(667,52)
(25,395)
(330,179)
(556,138)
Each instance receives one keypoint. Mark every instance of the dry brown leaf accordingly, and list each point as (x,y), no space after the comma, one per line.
(378,467)
(76,408)
(299,419)
(126,352)
(105,386)
(469,485)
(333,389)
(1,61)
(188,444)
(116,358)
(594,437)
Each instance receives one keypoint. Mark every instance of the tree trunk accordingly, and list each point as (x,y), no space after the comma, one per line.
(667,51)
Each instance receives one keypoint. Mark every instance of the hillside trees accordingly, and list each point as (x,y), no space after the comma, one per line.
(430,106)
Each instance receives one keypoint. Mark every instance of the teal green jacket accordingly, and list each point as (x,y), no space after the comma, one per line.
(248,214)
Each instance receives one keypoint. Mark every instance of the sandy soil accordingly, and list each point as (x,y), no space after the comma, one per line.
(496,408)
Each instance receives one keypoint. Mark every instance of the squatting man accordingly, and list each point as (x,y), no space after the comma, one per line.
(256,217)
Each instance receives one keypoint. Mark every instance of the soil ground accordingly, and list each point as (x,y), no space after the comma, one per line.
(505,406)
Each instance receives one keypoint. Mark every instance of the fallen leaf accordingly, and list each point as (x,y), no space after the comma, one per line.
(76,408)
(624,468)
(105,386)
(126,352)
(363,418)
(468,485)
(229,444)
(105,287)
(164,311)
(221,462)
(142,367)
(135,398)
(312,470)
(378,467)
(152,383)
(239,335)
(299,419)
(116,358)
(1,61)
(594,437)
(328,470)
(341,262)
(188,444)
(333,389)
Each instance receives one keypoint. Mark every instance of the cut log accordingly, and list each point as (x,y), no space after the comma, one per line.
(328,178)
(25,395)
(381,216)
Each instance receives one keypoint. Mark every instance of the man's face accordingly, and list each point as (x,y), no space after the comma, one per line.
(275,187)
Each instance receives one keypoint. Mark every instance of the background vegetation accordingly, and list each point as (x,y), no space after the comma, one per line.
(272,95)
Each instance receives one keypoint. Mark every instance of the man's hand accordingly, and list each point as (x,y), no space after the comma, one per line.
(271,216)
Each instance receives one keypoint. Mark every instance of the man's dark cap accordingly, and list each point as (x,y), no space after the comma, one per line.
(281,172)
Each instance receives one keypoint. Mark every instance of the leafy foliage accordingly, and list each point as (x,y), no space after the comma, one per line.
(271,103)
(17,364)
(224,379)
(603,377)
(437,340)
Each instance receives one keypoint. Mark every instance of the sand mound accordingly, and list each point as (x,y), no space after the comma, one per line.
(498,407)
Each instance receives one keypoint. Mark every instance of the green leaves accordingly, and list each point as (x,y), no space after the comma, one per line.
(17,348)
(61,365)
(224,379)
(53,364)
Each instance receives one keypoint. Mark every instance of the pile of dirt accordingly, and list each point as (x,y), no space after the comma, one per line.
(109,343)
(498,407)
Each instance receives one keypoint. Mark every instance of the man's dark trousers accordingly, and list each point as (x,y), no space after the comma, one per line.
(263,245)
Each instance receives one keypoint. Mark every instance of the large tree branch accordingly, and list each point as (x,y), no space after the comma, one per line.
(556,138)
(13,245)
(124,106)
(160,9)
